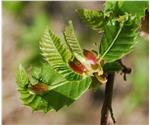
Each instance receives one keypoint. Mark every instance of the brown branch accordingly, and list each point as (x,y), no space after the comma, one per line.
(112,114)
(125,70)
(107,101)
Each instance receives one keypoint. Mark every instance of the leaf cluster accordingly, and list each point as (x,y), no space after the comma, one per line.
(55,84)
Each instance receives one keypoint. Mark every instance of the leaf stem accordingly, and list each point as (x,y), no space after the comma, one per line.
(108,101)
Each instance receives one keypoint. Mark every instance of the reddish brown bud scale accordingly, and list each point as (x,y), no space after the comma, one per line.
(77,66)
(90,57)
(39,88)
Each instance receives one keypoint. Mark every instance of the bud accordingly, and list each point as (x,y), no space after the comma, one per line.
(90,57)
(88,65)
(77,66)
(39,88)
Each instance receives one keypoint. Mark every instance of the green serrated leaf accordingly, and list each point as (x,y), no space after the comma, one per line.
(48,75)
(21,77)
(112,67)
(118,39)
(57,55)
(93,18)
(67,94)
(60,92)
(71,39)
(51,44)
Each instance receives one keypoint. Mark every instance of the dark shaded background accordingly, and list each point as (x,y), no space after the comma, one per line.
(23,24)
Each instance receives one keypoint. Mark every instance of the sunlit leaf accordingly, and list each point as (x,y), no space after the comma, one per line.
(57,55)
(118,39)
(71,39)
(60,91)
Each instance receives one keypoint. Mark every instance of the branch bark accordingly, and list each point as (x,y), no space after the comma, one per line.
(108,101)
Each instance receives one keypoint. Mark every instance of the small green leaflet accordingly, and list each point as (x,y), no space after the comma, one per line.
(93,18)
(21,77)
(67,93)
(61,92)
(57,55)
(118,39)
(71,39)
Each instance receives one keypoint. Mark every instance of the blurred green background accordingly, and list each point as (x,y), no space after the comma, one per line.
(23,24)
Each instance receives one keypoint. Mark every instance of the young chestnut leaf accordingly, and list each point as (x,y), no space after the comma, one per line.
(21,77)
(53,95)
(71,39)
(57,55)
(118,39)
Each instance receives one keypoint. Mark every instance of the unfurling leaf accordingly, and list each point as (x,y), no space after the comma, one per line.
(71,39)
(57,55)
(56,93)
(21,77)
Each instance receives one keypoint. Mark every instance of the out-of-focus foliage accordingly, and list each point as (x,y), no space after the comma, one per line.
(33,27)
(15,7)
(31,36)
(139,77)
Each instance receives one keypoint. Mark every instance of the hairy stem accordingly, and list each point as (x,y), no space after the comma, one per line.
(107,101)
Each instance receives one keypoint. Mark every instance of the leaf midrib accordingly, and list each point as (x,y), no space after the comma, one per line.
(113,41)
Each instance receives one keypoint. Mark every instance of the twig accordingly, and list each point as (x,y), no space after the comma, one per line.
(112,114)
(107,101)
(125,70)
